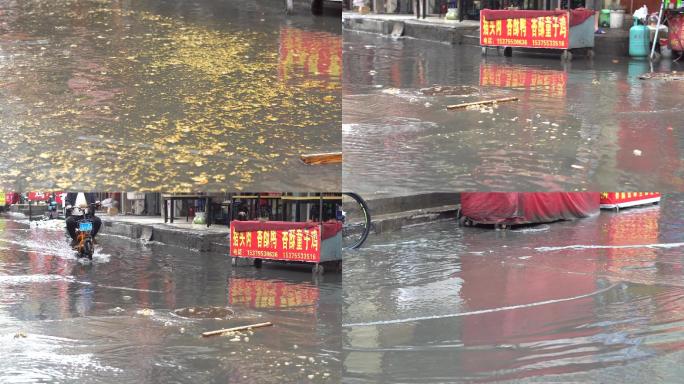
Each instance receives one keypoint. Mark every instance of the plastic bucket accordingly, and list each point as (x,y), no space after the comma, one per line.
(617,18)
(604,18)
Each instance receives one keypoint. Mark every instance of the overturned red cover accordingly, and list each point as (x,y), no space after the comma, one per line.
(527,207)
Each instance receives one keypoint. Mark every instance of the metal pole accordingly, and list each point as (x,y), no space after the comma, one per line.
(207,210)
(320,207)
(655,38)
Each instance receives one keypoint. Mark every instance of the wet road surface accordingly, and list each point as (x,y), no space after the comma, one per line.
(167,94)
(586,126)
(594,300)
(115,320)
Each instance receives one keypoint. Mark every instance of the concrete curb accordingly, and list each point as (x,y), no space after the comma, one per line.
(397,221)
(453,34)
(397,212)
(396,204)
(189,239)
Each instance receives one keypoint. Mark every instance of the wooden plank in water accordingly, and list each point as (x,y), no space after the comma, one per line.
(234,329)
(322,158)
(483,102)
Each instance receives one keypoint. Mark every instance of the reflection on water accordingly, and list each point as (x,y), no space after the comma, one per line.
(115,320)
(587,125)
(439,303)
(166,95)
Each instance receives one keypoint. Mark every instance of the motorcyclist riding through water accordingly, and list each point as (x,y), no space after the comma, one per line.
(77,205)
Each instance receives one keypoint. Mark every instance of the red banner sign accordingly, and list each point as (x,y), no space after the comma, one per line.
(39,196)
(546,29)
(628,199)
(301,244)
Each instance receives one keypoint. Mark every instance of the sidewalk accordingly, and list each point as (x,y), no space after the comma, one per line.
(180,234)
(614,43)
(394,213)
(431,28)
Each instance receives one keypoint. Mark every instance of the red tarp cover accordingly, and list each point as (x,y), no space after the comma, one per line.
(527,207)
(577,16)
(330,228)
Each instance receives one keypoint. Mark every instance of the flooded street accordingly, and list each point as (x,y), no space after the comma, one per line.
(167,95)
(599,299)
(588,125)
(136,314)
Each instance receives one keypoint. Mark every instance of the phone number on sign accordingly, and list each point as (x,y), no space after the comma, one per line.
(549,43)
(252,252)
(504,41)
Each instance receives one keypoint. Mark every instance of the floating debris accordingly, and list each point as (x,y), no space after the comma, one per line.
(220,313)
(19,335)
(665,76)
(450,90)
(145,312)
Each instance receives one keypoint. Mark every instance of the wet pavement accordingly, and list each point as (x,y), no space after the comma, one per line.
(587,125)
(599,299)
(167,94)
(116,319)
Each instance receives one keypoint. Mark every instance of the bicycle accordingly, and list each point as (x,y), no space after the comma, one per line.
(356,220)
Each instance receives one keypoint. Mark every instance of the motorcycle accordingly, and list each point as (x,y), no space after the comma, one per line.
(84,239)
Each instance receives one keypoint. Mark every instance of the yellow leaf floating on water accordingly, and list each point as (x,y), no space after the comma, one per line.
(223,89)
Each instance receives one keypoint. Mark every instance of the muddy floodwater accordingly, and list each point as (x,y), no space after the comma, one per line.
(589,125)
(136,314)
(594,300)
(167,94)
